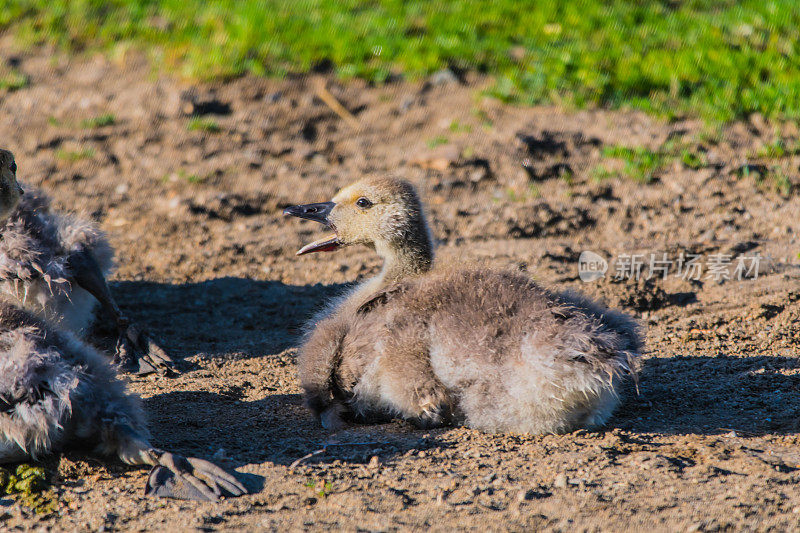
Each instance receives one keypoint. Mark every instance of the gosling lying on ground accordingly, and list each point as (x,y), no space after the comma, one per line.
(490,349)
(55,266)
(56,391)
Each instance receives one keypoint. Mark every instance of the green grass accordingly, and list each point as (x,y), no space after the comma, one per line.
(439,140)
(531,193)
(772,179)
(13,80)
(641,164)
(719,59)
(781,183)
(194,179)
(208,125)
(777,149)
(74,155)
(322,488)
(107,119)
(693,159)
(601,173)
(458,127)
(481,115)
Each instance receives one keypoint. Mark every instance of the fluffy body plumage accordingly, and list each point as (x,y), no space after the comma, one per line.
(55,266)
(490,349)
(35,249)
(57,392)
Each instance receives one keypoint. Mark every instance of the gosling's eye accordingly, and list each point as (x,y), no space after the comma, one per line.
(363,203)
(14,167)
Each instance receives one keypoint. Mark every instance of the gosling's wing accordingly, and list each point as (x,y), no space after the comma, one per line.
(382,297)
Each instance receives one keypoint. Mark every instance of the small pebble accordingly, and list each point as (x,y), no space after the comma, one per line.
(525,495)
(560,481)
(219,455)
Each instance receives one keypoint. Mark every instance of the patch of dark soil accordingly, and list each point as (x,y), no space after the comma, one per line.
(527,221)
(193,103)
(230,206)
(640,294)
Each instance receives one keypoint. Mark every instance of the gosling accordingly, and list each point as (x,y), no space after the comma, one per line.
(56,265)
(58,392)
(489,349)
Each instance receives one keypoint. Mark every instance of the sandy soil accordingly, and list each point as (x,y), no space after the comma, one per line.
(710,442)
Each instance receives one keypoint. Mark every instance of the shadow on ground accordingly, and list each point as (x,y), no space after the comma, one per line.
(248,318)
(222,316)
(714,395)
(276,429)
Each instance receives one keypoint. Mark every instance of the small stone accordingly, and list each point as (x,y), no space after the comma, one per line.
(517,53)
(374,462)
(279,506)
(443,77)
(478,175)
(560,482)
(422,454)
(525,495)
(406,104)
(219,455)
(319,160)
(440,158)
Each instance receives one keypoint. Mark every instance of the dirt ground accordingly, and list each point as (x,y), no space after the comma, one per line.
(206,262)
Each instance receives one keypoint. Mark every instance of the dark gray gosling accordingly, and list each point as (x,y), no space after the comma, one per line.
(55,266)
(57,392)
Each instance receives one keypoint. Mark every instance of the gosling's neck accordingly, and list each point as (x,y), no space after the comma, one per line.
(404,258)
(400,261)
(409,254)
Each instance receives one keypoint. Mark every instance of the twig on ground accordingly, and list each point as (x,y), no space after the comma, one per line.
(307,456)
(330,445)
(325,95)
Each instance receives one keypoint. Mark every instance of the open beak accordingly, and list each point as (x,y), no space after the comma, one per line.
(318,213)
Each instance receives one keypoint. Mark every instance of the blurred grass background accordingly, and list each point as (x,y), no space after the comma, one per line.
(717,59)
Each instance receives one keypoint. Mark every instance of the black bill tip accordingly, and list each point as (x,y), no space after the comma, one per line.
(317,212)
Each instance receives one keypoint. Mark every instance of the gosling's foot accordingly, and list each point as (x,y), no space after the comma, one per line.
(137,353)
(187,478)
(432,415)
